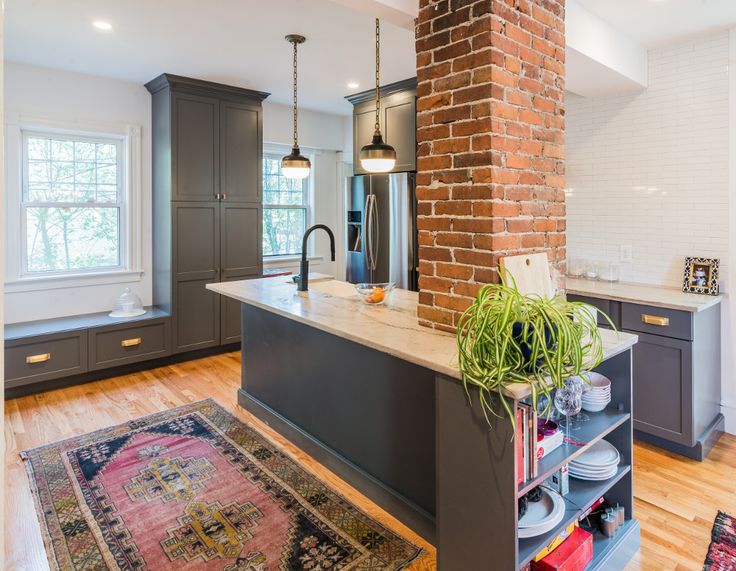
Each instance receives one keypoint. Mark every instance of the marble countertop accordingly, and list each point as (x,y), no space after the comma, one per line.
(646,294)
(392,327)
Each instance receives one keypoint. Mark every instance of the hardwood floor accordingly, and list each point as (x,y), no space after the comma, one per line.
(676,499)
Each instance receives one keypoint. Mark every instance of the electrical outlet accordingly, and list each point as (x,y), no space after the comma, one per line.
(626,253)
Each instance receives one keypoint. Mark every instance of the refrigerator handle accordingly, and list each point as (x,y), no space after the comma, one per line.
(375,246)
(368,234)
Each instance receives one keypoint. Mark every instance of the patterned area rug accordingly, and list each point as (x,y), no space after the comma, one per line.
(722,550)
(195,488)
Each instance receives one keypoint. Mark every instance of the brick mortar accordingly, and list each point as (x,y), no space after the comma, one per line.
(490,134)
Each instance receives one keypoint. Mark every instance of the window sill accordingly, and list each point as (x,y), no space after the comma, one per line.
(72,280)
(276,261)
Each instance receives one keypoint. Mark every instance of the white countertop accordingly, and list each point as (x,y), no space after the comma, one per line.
(333,306)
(646,294)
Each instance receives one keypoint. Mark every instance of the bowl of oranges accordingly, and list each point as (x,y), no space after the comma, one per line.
(374,294)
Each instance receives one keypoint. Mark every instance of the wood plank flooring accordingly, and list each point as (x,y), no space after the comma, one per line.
(676,499)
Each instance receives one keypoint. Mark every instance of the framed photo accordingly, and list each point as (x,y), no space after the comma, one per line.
(701,276)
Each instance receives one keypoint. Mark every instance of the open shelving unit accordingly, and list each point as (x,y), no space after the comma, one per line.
(478,505)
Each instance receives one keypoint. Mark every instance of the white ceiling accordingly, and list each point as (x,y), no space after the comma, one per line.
(658,22)
(238,42)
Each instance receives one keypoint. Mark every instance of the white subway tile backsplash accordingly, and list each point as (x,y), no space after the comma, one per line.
(651,169)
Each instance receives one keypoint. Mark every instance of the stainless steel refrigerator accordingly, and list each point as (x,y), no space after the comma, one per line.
(381,229)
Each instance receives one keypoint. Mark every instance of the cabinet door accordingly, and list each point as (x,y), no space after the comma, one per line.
(196,252)
(663,388)
(240,152)
(364,124)
(400,129)
(241,258)
(195,151)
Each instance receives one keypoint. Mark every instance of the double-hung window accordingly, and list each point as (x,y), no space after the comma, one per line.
(285,209)
(73,204)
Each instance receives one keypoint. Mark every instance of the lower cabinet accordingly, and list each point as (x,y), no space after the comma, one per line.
(663,387)
(196,319)
(125,344)
(45,357)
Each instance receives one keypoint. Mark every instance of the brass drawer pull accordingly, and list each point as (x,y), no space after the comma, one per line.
(655,320)
(131,342)
(42,358)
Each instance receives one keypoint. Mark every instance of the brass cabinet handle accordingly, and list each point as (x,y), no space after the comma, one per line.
(41,358)
(224,196)
(131,342)
(218,196)
(655,320)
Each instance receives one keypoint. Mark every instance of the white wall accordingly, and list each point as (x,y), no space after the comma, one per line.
(65,96)
(651,170)
(70,97)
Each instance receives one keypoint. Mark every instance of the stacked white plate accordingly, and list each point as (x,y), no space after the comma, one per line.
(597,394)
(542,516)
(599,462)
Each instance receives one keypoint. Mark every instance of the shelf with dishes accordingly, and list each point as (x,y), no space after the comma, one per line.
(576,480)
(581,496)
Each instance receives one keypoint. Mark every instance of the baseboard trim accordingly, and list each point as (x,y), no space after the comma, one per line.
(702,447)
(729,412)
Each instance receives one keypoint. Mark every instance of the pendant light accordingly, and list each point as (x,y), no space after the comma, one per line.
(378,156)
(295,165)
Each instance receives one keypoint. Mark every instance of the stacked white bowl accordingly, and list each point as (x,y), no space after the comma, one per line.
(596,393)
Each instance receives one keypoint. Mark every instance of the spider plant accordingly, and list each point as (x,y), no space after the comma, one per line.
(507,337)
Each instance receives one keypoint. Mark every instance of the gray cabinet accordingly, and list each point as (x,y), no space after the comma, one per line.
(125,344)
(398,123)
(207,147)
(45,357)
(677,373)
(663,388)
(195,126)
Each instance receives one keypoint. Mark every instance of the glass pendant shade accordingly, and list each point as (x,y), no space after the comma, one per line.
(378,156)
(295,165)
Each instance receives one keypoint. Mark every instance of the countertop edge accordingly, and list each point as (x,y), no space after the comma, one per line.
(708,301)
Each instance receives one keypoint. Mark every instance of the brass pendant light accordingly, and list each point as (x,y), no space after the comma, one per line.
(295,165)
(378,156)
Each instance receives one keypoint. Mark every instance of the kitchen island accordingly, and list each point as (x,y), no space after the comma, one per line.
(377,399)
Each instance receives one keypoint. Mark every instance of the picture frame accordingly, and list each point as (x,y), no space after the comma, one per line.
(701,276)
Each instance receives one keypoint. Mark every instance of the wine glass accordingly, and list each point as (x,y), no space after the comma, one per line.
(568,400)
(583,386)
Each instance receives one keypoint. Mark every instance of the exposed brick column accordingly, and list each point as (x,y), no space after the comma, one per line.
(490,130)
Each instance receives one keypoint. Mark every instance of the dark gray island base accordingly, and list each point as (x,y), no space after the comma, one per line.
(377,399)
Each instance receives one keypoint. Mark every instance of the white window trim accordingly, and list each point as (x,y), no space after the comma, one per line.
(130,269)
(283,150)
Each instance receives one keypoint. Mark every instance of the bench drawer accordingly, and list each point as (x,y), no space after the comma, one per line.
(657,321)
(45,357)
(124,344)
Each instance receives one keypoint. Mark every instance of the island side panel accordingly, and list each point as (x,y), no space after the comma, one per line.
(359,411)
(476,484)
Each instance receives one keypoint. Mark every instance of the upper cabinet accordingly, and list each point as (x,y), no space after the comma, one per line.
(398,123)
(196,128)
(215,133)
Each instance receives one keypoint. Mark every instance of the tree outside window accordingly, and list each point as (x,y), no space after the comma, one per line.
(72,204)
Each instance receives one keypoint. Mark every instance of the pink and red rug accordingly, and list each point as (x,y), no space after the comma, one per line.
(722,550)
(195,488)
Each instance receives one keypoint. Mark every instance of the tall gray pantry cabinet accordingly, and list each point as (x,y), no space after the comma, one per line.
(207,203)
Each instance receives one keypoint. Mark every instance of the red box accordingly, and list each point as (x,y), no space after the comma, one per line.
(573,554)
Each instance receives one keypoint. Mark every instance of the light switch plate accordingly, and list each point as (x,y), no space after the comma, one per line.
(626,253)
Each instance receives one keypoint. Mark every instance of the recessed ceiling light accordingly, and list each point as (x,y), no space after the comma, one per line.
(100,25)
(353,85)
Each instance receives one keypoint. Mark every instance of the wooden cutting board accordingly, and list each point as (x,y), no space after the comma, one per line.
(530,272)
